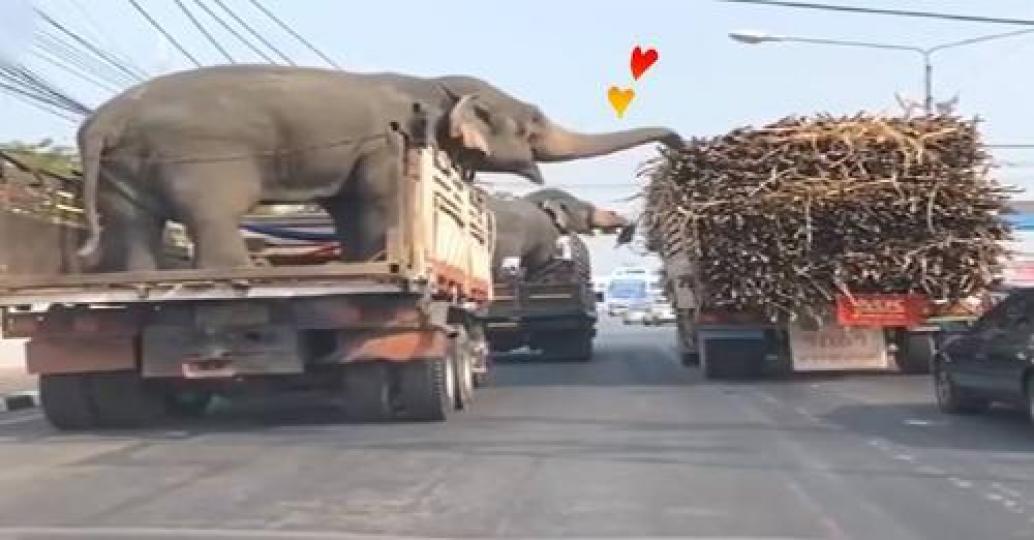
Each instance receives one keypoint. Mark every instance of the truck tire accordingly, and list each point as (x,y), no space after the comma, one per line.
(582,261)
(954,400)
(915,352)
(366,391)
(463,369)
(740,359)
(427,389)
(123,400)
(66,400)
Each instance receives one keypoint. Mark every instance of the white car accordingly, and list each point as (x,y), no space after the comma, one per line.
(636,314)
(660,312)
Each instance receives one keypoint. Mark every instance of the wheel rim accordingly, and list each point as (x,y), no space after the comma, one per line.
(450,380)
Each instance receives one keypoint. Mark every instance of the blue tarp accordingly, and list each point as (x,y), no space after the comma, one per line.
(292,234)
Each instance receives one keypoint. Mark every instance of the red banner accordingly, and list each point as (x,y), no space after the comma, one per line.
(882,309)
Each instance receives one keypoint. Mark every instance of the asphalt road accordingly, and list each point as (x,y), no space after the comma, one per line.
(630,445)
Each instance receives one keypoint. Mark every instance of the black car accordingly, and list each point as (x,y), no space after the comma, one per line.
(991,361)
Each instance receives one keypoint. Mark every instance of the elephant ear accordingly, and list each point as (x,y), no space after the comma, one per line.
(465,127)
(558,212)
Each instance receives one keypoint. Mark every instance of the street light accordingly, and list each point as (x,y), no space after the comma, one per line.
(754,38)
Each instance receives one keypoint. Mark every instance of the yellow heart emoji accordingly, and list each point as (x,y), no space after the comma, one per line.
(620,98)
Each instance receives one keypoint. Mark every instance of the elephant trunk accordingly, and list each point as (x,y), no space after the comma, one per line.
(559,144)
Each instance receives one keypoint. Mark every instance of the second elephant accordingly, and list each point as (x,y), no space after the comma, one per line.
(529,227)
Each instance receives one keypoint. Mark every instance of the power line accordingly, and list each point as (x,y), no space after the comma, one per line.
(211,39)
(119,52)
(47,57)
(89,46)
(24,81)
(89,63)
(233,31)
(894,12)
(296,35)
(22,96)
(253,32)
(163,32)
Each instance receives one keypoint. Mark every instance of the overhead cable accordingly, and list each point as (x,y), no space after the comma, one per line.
(892,12)
(154,23)
(91,47)
(234,32)
(211,39)
(254,33)
(296,35)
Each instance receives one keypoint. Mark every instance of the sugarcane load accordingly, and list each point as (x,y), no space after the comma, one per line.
(782,219)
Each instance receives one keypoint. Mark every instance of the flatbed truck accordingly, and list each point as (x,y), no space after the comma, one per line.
(393,338)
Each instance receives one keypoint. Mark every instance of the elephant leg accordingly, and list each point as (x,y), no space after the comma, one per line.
(211,199)
(341,210)
(363,213)
(132,235)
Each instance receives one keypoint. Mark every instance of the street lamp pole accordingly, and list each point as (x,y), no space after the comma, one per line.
(754,38)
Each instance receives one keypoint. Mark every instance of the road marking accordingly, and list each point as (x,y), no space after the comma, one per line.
(20,420)
(921,422)
(879,443)
(1008,491)
(960,483)
(904,457)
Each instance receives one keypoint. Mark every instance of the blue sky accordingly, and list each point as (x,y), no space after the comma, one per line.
(563,56)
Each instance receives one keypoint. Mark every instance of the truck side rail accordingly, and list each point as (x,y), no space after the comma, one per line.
(440,246)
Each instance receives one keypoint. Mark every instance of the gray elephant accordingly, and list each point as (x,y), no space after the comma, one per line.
(204,146)
(529,227)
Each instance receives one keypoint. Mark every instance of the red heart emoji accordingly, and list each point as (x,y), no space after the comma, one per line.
(641,61)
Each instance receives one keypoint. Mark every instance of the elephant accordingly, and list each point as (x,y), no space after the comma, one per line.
(202,147)
(529,227)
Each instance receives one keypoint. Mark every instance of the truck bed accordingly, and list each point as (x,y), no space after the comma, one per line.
(440,246)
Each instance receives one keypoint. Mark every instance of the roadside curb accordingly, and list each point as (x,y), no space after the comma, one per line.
(14,401)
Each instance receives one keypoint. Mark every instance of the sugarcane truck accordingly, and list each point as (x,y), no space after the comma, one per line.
(867,332)
(393,338)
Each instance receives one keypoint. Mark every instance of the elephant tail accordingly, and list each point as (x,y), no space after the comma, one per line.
(92,147)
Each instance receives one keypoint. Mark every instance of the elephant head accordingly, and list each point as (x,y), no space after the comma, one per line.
(571,214)
(502,134)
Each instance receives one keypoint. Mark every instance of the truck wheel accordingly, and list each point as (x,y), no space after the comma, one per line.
(709,368)
(122,400)
(427,389)
(463,369)
(915,352)
(367,391)
(188,404)
(1028,391)
(66,400)
(953,400)
(581,259)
